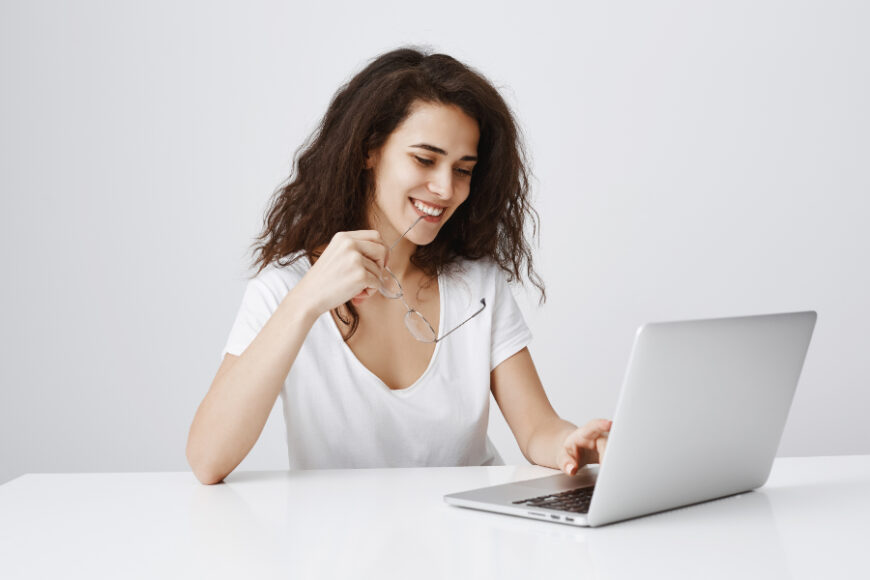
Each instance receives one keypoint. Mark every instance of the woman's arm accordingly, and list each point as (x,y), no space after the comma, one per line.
(543,437)
(235,410)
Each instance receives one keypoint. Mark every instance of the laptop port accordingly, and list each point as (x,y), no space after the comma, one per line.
(554,517)
(567,519)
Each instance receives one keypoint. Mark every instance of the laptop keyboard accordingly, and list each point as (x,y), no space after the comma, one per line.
(575,500)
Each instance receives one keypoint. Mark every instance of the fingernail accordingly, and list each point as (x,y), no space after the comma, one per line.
(569,468)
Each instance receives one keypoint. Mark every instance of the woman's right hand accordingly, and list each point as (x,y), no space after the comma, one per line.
(348,269)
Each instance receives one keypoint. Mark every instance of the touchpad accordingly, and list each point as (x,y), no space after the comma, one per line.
(562,482)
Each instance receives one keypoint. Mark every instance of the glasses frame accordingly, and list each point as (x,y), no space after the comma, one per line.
(412,312)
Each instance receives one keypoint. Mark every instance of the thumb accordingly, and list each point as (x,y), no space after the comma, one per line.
(361,296)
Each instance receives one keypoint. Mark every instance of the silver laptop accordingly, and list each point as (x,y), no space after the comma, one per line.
(700,416)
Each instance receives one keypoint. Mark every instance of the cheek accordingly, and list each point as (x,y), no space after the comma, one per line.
(394,186)
(387,188)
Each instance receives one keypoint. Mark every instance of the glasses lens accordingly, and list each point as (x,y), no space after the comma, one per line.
(419,327)
(389,287)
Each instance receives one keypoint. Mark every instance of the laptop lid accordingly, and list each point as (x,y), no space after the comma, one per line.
(701,412)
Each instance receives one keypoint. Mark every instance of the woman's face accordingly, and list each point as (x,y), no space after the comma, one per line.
(423,169)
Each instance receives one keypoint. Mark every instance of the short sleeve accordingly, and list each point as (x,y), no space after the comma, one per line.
(258,304)
(510,334)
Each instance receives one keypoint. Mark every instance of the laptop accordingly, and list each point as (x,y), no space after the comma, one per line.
(700,416)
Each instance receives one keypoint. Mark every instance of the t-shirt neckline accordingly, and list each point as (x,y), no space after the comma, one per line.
(413,387)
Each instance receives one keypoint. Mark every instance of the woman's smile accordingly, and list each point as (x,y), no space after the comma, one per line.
(431,213)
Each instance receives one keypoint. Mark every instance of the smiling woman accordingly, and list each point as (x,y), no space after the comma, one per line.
(440,105)
(417,171)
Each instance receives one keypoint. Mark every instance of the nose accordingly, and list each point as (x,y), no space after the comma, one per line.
(442,185)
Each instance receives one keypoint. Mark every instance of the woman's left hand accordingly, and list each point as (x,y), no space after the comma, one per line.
(584,445)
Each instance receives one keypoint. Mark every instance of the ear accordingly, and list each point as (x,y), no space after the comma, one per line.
(372,159)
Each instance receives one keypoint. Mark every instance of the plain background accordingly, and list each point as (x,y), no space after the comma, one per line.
(691,160)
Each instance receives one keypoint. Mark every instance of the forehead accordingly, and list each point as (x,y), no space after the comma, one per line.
(444,126)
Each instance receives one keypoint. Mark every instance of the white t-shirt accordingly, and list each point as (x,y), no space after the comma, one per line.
(338,414)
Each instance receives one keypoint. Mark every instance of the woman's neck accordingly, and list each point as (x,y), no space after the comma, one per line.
(399,258)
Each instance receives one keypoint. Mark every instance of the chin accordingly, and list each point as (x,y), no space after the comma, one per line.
(420,240)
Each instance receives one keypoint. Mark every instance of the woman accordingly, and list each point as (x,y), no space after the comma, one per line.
(380,310)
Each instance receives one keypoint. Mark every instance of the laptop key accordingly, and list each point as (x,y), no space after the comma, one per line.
(573,500)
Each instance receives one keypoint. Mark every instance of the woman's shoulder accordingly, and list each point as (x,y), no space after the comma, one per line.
(481,271)
(479,277)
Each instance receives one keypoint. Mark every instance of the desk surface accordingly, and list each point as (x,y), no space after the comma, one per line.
(811,520)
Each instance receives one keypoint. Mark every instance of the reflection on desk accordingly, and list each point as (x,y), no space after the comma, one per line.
(809,521)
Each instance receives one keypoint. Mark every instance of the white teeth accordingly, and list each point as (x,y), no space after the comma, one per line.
(427,209)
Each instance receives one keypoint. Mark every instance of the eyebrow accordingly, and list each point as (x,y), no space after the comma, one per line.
(434,149)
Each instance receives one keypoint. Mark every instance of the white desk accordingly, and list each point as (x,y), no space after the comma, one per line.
(811,520)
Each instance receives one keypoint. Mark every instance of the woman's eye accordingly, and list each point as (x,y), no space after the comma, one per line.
(430,163)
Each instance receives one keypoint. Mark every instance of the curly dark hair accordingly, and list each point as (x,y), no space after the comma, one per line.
(330,190)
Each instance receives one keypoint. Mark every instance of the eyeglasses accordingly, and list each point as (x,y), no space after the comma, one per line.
(417,324)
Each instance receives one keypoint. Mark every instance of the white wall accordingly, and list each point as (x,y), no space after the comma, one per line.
(692,159)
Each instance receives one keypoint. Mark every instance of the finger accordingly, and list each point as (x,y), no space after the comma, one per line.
(362,295)
(363,277)
(371,283)
(372,241)
(372,235)
(375,251)
(363,270)
(366,242)
(602,425)
(582,443)
(601,445)
(578,456)
(567,461)
(374,269)
(570,448)
(593,430)
(583,439)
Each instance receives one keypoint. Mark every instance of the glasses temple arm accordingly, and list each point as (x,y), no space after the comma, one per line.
(403,235)
(483,305)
